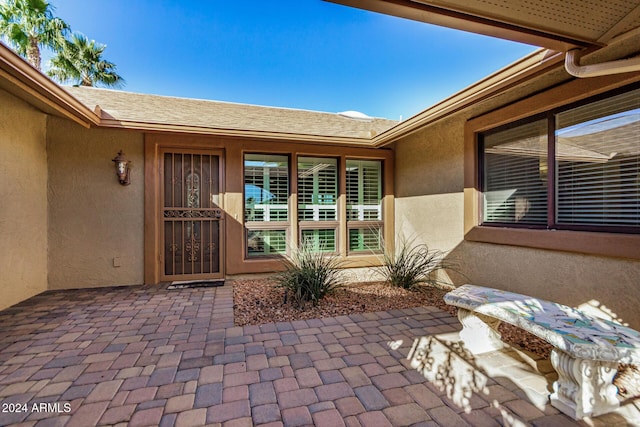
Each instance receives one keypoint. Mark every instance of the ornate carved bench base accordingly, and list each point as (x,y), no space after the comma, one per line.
(584,387)
(479,333)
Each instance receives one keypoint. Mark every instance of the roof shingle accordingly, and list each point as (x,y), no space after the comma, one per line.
(127,107)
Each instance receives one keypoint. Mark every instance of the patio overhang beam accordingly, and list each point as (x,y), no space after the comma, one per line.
(25,82)
(428,13)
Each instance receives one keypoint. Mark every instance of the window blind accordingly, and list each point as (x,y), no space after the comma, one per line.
(515,176)
(598,163)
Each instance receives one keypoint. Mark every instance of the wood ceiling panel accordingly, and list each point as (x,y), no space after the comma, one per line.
(559,25)
(580,19)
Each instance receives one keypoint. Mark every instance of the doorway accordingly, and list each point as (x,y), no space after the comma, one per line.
(191,218)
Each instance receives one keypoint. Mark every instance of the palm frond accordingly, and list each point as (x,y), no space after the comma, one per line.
(28,25)
(80,62)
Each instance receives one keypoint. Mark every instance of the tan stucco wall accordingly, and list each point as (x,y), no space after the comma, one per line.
(428,182)
(429,207)
(23,201)
(573,279)
(95,224)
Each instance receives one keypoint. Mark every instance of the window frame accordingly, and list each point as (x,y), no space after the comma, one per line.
(320,224)
(482,169)
(552,158)
(620,245)
(250,226)
(296,227)
(354,224)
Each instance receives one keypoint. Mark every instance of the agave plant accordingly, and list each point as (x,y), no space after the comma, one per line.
(310,275)
(413,265)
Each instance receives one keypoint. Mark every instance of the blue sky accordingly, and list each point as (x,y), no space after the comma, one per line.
(306,54)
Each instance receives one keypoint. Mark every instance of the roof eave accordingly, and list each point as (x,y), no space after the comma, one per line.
(419,11)
(228,132)
(25,82)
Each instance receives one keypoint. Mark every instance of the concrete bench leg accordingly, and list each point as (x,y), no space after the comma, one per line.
(479,333)
(584,387)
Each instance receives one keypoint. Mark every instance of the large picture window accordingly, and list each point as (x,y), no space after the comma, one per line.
(575,168)
(338,204)
(266,203)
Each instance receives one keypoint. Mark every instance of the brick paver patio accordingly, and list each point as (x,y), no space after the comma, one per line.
(146,356)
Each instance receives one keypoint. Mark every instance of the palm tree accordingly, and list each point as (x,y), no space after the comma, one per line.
(80,62)
(29,25)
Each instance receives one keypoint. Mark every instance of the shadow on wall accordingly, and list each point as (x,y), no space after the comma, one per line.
(606,287)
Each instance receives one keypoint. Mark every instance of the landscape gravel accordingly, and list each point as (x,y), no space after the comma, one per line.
(260,301)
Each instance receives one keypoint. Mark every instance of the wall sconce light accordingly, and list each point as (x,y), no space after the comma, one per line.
(122,168)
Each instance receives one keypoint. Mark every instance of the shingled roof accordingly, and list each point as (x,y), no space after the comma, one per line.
(127,109)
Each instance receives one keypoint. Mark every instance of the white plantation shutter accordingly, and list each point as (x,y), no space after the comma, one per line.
(266,200)
(598,163)
(364,205)
(365,239)
(317,189)
(266,181)
(364,190)
(515,174)
(266,242)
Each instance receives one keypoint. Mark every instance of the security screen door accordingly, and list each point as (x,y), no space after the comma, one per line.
(192,219)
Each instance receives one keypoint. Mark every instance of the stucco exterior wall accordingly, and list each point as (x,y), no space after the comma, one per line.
(23,201)
(96,225)
(429,207)
(429,185)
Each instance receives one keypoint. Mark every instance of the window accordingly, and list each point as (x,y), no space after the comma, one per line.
(515,164)
(347,222)
(317,189)
(598,163)
(266,242)
(364,205)
(266,203)
(575,168)
(321,239)
(318,202)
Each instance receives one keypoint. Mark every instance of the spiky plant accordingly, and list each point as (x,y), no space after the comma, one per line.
(310,275)
(414,264)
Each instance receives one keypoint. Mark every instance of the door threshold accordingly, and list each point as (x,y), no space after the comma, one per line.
(188,284)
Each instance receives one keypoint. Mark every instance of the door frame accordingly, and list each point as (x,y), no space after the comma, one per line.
(153,210)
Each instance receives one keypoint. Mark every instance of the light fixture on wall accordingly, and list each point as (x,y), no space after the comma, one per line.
(122,168)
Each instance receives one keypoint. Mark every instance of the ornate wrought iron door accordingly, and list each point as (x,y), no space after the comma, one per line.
(192,217)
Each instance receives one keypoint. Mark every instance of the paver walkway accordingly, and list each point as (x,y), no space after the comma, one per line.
(143,356)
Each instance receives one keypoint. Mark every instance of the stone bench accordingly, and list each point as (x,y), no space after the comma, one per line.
(587,350)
